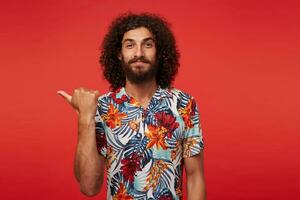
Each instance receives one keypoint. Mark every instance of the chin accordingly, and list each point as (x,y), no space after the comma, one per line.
(140,69)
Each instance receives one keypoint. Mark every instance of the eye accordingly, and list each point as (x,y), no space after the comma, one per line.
(128,45)
(149,44)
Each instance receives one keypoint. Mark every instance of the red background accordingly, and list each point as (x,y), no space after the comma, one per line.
(240,59)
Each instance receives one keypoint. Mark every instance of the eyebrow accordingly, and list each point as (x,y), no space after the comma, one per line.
(144,40)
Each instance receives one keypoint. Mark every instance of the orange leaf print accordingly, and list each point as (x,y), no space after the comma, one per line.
(133,102)
(177,151)
(187,112)
(156,136)
(134,125)
(111,157)
(187,146)
(155,173)
(122,194)
(113,117)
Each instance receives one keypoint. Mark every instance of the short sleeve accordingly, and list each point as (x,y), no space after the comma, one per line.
(100,134)
(193,140)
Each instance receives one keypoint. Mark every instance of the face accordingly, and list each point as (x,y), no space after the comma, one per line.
(138,55)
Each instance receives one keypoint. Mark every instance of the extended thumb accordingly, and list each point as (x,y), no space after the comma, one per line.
(65,95)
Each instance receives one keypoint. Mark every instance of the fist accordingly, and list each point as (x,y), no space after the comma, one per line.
(83,100)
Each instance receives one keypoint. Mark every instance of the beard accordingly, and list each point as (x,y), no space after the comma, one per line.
(139,75)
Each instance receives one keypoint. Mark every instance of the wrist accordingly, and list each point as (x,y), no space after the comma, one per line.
(86,118)
(86,127)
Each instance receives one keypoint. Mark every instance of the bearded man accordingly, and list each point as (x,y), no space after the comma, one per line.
(143,131)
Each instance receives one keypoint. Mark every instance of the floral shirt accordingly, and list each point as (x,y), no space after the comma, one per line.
(144,148)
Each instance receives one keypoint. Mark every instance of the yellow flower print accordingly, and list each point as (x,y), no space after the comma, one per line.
(187,146)
(113,117)
(156,136)
(155,173)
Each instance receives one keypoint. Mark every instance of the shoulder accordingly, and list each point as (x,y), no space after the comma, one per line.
(112,95)
(178,94)
(105,96)
(182,99)
(104,101)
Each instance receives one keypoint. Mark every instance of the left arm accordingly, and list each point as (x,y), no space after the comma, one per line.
(195,177)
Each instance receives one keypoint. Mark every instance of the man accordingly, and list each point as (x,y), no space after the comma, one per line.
(144,130)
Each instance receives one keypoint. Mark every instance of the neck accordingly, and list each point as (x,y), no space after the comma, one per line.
(141,92)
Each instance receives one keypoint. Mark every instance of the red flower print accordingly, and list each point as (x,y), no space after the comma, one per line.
(164,197)
(167,121)
(101,141)
(130,166)
(121,100)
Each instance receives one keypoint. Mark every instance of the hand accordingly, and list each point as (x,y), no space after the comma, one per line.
(84,101)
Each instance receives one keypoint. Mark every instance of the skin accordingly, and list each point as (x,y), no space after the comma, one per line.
(136,43)
(195,177)
(88,164)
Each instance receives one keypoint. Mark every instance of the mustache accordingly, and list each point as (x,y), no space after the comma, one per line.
(140,59)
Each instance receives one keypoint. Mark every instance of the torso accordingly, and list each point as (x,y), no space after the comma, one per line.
(143,146)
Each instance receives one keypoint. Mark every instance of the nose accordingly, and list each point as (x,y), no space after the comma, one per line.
(139,51)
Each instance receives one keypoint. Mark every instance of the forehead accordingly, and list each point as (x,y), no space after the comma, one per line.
(138,34)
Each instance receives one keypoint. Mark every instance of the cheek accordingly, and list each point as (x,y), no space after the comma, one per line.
(151,55)
(126,56)
(124,59)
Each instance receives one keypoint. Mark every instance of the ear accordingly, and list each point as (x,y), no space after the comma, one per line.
(119,56)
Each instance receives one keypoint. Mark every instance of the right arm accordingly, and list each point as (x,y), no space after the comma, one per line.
(88,163)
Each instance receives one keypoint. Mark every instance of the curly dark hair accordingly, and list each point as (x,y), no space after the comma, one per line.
(167,53)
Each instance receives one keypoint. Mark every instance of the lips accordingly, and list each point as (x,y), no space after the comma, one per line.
(139,62)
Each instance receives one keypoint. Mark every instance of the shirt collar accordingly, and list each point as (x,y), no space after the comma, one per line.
(158,95)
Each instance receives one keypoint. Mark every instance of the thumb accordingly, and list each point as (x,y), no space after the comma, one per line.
(65,95)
